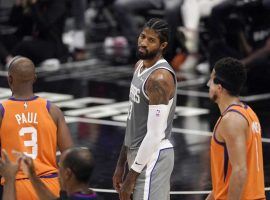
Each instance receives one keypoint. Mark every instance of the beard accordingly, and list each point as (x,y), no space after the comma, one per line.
(146,55)
(213,98)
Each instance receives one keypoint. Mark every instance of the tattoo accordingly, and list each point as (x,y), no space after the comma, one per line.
(156,91)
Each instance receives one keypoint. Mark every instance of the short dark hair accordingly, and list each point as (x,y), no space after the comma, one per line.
(231,74)
(81,163)
(160,26)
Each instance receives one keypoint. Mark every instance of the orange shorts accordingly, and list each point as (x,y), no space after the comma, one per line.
(25,190)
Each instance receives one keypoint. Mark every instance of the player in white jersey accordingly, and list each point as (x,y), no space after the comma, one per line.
(147,147)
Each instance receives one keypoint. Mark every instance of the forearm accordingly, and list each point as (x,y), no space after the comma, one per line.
(41,190)
(122,156)
(147,148)
(9,190)
(210,196)
(255,56)
(156,126)
(237,182)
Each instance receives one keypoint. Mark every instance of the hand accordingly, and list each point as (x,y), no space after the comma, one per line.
(128,185)
(118,178)
(27,164)
(8,169)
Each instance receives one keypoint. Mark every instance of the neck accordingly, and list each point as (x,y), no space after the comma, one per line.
(151,62)
(78,188)
(226,101)
(23,92)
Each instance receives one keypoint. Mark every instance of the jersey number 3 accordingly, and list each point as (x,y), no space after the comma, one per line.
(30,143)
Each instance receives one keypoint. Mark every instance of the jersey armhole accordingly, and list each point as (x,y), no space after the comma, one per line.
(240,113)
(48,105)
(2,110)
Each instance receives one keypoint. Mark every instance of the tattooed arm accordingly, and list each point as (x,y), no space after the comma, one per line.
(160,87)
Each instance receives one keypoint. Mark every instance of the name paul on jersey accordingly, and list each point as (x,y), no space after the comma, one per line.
(134,94)
(28,117)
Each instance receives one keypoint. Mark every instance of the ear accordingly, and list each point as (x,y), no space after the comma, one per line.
(68,173)
(164,45)
(35,78)
(10,79)
(220,88)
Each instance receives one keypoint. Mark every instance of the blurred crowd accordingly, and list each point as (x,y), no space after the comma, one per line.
(202,31)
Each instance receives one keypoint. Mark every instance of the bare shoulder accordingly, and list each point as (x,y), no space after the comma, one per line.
(160,87)
(55,112)
(233,124)
(55,109)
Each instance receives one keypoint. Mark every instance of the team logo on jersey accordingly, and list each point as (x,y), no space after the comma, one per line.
(256,128)
(134,93)
(25,105)
(158,113)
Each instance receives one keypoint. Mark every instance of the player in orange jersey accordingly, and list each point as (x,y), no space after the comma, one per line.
(32,125)
(236,144)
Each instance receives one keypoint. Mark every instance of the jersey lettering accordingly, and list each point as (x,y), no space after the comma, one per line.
(26,118)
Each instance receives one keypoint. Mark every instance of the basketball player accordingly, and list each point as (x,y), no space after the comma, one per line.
(32,125)
(236,145)
(75,168)
(147,147)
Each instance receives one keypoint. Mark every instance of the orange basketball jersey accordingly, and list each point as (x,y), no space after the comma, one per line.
(28,127)
(220,163)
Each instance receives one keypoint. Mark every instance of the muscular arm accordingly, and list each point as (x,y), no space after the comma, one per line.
(257,55)
(234,128)
(120,169)
(122,159)
(160,87)
(64,140)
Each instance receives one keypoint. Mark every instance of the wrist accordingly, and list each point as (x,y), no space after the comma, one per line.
(133,175)
(9,179)
(32,175)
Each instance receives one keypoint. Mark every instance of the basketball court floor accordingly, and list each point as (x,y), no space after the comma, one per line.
(94,97)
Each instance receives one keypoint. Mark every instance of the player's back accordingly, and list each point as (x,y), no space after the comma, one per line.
(221,167)
(28,127)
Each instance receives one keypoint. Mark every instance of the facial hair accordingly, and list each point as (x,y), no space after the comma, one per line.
(147,55)
(214,98)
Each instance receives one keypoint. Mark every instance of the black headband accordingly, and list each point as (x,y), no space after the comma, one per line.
(12,61)
(228,86)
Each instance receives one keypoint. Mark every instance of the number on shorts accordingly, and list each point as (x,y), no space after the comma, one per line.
(30,143)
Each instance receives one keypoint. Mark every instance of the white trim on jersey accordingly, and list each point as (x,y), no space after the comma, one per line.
(139,67)
(161,67)
(144,71)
